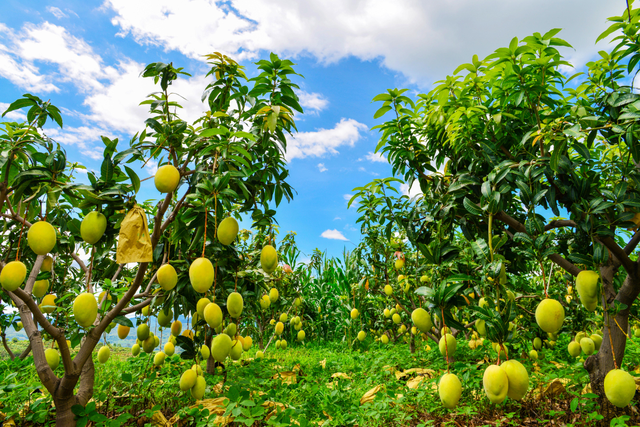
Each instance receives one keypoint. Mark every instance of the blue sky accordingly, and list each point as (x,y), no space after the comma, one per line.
(87,56)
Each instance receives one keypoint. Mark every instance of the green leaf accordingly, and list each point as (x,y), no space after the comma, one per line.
(214,131)
(471,207)
(382,111)
(383,97)
(18,104)
(135,180)
(123,320)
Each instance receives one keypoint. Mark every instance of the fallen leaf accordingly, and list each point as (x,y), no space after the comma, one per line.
(370,395)
(341,375)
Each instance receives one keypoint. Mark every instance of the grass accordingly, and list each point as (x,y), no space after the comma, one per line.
(319,384)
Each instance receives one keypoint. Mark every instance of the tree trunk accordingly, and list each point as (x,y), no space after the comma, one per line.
(613,339)
(6,347)
(412,344)
(64,416)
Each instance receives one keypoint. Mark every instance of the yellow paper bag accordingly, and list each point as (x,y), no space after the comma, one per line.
(134,243)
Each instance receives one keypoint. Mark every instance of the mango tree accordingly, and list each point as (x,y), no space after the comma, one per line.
(511,147)
(230,161)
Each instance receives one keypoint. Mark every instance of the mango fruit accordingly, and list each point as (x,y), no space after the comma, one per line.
(450,390)
(158,359)
(235,304)
(355,313)
(93,227)
(201,274)
(496,383)
(167,178)
(135,349)
(169,349)
(165,317)
(142,332)
(123,331)
(362,335)
(167,277)
(450,346)
(197,391)
(48,304)
(301,335)
(40,288)
(619,387)
(265,302)
(188,379)
(550,315)
(227,230)
(587,287)
(47,263)
(41,237)
(247,343)
(574,349)
(236,350)
(12,275)
(518,379)
(269,259)
(274,295)
(200,306)
(588,346)
(104,353)
(176,328)
(279,328)
(220,347)
(213,315)
(85,309)
(53,358)
(422,319)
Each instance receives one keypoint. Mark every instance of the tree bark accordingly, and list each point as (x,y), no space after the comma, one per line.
(6,347)
(613,340)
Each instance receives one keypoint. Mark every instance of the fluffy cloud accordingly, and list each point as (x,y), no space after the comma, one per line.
(112,93)
(433,38)
(56,12)
(333,235)
(411,192)
(321,167)
(324,141)
(375,157)
(13,115)
(313,101)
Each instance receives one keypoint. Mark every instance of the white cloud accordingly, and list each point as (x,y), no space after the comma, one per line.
(449,32)
(13,115)
(333,235)
(375,157)
(336,218)
(347,197)
(324,141)
(56,12)
(361,169)
(312,101)
(76,61)
(152,167)
(322,168)
(411,192)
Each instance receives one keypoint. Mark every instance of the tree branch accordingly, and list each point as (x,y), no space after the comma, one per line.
(633,243)
(561,261)
(559,223)
(6,347)
(629,266)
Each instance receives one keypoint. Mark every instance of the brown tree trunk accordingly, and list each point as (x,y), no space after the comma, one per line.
(64,416)
(26,352)
(613,339)
(6,347)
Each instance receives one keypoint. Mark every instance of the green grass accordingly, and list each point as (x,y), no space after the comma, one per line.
(130,389)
